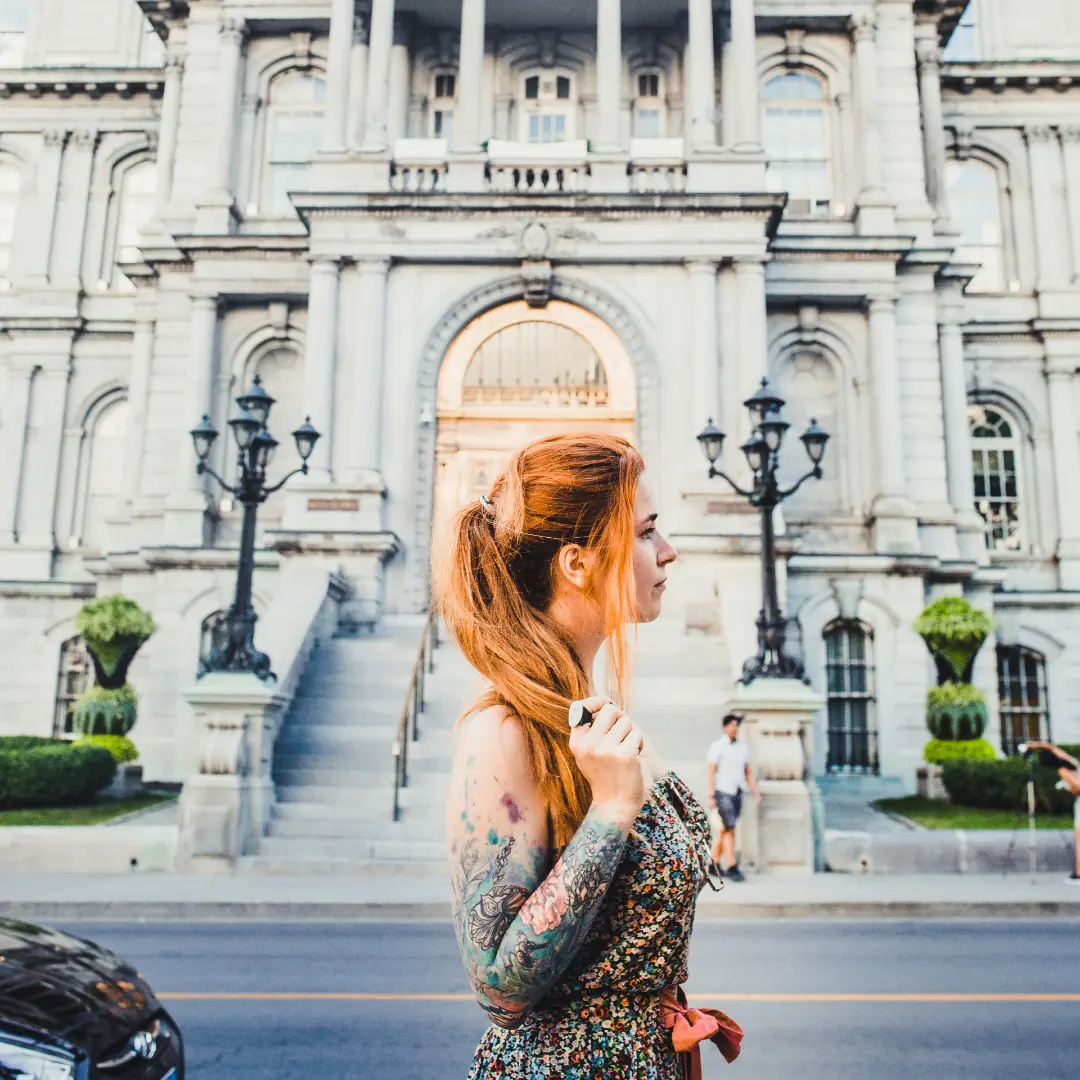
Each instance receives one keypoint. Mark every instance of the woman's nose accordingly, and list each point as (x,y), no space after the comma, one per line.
(666,554)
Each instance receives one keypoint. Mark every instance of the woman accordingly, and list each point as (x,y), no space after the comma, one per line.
(576,856)
(1068,768)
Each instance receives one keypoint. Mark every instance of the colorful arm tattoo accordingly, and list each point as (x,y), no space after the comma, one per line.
(518,929)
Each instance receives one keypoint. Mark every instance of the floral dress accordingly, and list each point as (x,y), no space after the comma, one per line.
(604,1018)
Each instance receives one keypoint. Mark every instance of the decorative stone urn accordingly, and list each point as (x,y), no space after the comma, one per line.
(778,716)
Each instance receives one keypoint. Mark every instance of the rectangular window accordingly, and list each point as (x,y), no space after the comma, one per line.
(14,16)
(444,124)
(547,128)
(648,124)
(648,85)
(562,85)
(849,673)
(445,86)
(532,87)
(1024,705)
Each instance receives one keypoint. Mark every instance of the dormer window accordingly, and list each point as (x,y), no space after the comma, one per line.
(444,89)
(548,115)
(648,106)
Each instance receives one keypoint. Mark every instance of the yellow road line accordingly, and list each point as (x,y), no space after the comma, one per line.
(958,999)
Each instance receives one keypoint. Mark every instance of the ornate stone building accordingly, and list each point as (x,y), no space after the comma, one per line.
(442,227)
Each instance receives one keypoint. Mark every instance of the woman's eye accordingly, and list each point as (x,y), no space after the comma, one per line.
(648,533)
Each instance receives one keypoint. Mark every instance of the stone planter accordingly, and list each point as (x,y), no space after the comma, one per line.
(928,783)
(127,782)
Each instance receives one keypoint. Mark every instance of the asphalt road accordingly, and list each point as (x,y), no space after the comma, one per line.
(827,1000)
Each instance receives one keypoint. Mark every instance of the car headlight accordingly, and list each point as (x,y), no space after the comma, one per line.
(143,1045)
(26,1060)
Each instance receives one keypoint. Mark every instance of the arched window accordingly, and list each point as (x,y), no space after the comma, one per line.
(293,122)
(795,131)
(104,473)
(212,635)
(548,108)
(995,466)
(73,678)
(10,185)
(138,191)
(849,676)
(649,105)
(536,363)
(14,16)
(443,91)
(1023,702)
(973,190)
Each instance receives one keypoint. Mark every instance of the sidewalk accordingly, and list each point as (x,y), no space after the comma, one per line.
(54,897)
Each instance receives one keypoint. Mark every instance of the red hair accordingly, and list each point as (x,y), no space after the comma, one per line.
(495,581)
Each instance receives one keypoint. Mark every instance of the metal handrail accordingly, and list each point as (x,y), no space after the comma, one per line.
(415,703)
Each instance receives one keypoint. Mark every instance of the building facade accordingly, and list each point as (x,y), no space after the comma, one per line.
(441,228)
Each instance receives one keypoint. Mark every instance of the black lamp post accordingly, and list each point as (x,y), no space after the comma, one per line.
(762,452)
(255,450)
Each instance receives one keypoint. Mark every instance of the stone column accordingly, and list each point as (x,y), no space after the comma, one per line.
(358,79)
(971,534)
(847,168)
(400,79)
(77,180)
(365,450)
(467,113)
(891,503)
(320,358)
(142,358)
(377,99)
(704,397)
(1061,365)
(47,186)
(1070,151)
(746,121)
(216,208)
(874,209)
(701,96)
(185,509)
(609,62)
(1043,164)
(338,64)
(14,419)
(928,53)
(168,128)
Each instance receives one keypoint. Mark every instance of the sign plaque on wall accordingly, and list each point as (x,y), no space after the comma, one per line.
(333,504)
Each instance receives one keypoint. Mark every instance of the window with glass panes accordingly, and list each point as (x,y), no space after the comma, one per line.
(548,112)
(442,106)
(14,17)
(852,717)
(10,185)
(73,679)
(995,458)
(1024,706)
(795,131)
(294,116)
(137,197)
(973,193)
(648,114)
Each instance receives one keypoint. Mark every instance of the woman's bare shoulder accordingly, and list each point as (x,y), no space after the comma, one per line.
(495,736)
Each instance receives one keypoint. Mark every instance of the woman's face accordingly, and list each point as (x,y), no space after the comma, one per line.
(652,556)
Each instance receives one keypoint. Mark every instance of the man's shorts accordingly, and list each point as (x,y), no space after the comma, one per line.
(729,807)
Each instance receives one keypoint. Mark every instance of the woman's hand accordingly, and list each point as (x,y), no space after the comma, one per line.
(608,753)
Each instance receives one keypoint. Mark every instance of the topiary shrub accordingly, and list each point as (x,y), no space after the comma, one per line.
(938,751)
(1002,785)
(123,750)
(956,711)
(114,629)
(954,632)
(105,712)
(51,773)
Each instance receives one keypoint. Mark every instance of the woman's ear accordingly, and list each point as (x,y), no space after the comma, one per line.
(573,564)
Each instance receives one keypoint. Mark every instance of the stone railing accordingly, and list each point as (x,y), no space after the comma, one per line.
(419,165)
(657,177)
(225,806)
(537,178)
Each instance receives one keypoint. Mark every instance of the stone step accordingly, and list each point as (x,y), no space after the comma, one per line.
(392,846)
(319,770)
(418,828)
(304,802)
(435,870)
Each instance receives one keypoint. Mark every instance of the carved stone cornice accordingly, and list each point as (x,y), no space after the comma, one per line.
(64,83)
(996,77)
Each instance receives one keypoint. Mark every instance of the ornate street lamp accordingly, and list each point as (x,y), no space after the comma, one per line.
(255,450)
(762,451)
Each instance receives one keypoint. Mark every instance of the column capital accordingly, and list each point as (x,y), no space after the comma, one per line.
(1061,368)
(881,301)
(1038,133)
(375,267)
(928,54)
(205,300)
(233,30)
(1069,133)
(175,61)
(323,263)
(54,137)
(862,27)
(701,265)
(85,139)
(750,264)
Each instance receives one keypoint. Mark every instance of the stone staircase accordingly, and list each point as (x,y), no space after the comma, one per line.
(333,764)
(334,768)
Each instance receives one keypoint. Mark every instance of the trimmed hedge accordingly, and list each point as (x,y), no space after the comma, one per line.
(50,772)
(1002,785)
(938,751)
(121,747)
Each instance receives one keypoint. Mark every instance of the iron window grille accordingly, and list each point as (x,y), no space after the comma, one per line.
(1024,704)
(73,679)
(852,713)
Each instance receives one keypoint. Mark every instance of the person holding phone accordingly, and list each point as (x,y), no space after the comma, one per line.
(1069,780)
(576,856)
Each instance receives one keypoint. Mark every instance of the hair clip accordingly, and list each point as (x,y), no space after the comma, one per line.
(485,502)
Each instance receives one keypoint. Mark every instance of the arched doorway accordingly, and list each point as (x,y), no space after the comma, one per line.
(516,374)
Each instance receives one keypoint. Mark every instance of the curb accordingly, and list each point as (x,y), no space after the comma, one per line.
(229,911)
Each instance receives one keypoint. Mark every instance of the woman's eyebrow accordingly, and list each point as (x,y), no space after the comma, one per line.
(648,521)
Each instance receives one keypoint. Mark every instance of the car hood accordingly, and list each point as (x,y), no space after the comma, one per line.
(69,987)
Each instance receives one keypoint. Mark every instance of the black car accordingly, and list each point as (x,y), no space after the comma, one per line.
(70,1010)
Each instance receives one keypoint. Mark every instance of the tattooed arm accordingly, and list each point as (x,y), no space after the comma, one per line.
(519,919)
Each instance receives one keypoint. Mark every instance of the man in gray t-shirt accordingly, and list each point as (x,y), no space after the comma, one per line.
(728,761)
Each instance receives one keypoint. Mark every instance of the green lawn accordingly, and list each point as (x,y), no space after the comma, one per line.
(931,814)
(94,814)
